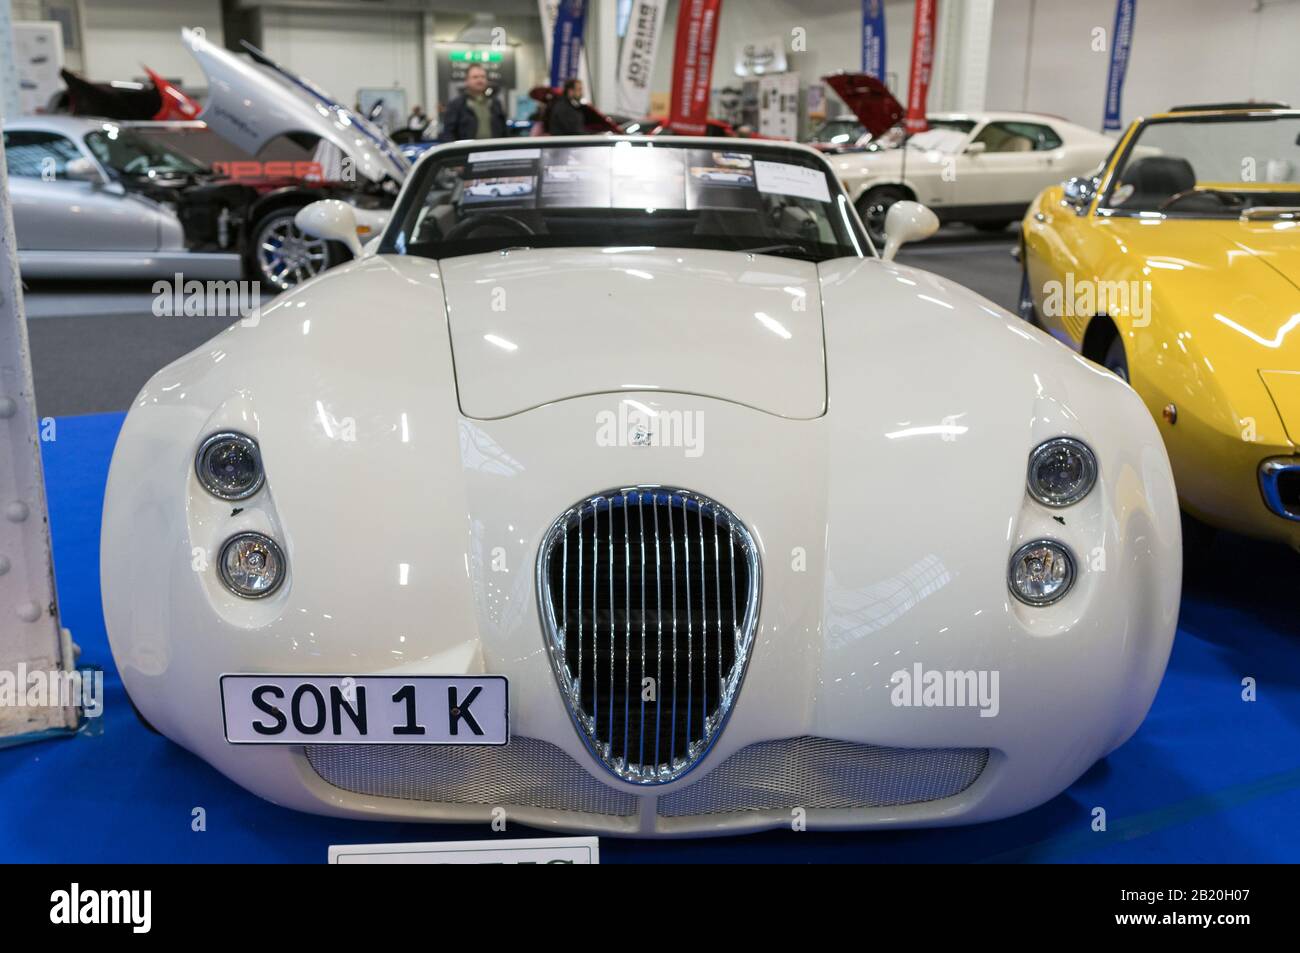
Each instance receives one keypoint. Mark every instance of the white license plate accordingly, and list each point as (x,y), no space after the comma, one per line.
(366,709)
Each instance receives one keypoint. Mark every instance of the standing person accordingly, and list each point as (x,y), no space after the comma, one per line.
(474,114)
(565,116)
(418,121)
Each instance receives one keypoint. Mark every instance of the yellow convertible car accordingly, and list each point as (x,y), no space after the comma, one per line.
(1177,266)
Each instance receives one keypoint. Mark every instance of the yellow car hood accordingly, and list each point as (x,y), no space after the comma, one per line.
(1227,293)
(1231,284)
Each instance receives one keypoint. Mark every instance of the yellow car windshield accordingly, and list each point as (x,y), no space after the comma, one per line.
(1209,166)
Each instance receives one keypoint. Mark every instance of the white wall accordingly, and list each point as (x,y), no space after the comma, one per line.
(1184,51)
(120,35)
(343,50)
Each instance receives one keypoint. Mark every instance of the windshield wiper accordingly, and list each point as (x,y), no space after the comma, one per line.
(791,249)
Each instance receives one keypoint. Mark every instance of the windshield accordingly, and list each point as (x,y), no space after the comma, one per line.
(1209,167)
(776,201)
(837,131)
(944,135)
(127,152)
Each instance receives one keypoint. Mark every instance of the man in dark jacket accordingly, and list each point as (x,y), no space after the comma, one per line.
(473,114)
(565,116)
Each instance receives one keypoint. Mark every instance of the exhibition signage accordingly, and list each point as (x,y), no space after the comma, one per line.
(697,37)
(637,60)
(922,61)
(566,41)
(873,38)
(1121,42)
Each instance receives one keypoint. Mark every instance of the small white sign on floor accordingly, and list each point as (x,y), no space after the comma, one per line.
(541,850)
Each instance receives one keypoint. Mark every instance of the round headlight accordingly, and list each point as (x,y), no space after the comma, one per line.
(1041,572)
(229,466)
(1061,472)
(251,565)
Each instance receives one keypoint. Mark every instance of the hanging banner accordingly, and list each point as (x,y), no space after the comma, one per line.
(697,38)
(873,38)
(636,62)
(1121,41)
(566,41)
(918,88)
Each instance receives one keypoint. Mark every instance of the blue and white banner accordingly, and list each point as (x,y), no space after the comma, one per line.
(566,42)
(1121,42)
(873,38)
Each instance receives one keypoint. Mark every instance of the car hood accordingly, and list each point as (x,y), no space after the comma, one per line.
(870,100)
(532,327)
(1227,294)
(252,101)
(1245,276)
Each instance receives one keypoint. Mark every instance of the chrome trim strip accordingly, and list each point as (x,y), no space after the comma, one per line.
(587,724)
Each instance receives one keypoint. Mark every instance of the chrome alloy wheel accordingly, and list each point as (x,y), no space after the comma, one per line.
(285,255)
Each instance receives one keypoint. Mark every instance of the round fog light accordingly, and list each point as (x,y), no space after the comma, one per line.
(251,565)
(229,466)
(1041,572)
(1061,471)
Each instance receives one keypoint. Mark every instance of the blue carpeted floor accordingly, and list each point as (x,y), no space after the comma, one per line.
(1207,778)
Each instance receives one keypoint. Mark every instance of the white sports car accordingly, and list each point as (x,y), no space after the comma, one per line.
(628,515)
(980,168)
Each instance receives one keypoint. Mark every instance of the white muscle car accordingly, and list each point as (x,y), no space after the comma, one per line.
(980,168)
(625,512)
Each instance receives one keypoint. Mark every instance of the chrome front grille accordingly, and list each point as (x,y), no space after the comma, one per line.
(649,600)
(525,773)
(820,773)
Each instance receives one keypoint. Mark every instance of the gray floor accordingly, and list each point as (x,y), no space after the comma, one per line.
(93,348)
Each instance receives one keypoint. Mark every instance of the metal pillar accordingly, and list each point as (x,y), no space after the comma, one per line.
(30,638)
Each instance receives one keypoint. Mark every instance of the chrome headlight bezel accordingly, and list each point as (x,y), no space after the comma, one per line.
(1089,465)
(206,449)
(265,541)
(1071,565)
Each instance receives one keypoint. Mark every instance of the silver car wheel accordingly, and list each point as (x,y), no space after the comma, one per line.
(285,255)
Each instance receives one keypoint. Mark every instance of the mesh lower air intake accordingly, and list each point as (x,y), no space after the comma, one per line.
(818,773)
(524,773)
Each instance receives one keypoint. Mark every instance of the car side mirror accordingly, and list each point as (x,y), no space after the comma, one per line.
(907,222)
(332,220)
(977,148)
(1078,193)
(82,169)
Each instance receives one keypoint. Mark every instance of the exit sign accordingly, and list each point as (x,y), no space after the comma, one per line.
(477,56)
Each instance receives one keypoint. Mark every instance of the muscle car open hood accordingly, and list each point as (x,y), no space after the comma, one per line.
(252,101)
(536,326)
(870,100)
